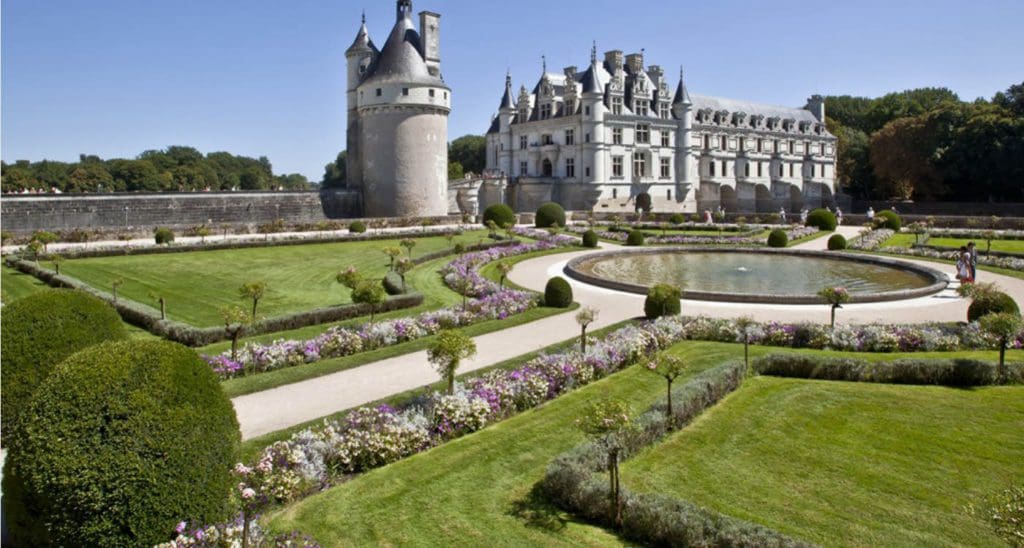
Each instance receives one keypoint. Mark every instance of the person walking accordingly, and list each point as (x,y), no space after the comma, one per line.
(972,251)
(963,266)
(839,216)
(871,213)
(782,215)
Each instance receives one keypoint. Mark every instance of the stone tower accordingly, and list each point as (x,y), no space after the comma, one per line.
(398,108)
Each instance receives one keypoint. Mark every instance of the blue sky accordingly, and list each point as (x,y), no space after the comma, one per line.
(267,77)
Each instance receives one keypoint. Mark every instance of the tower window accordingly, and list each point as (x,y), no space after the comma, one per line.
(586,172)
(668,194)
(663,109)
(615,193)
(586,137)
(446,96)
(746,170)
(586,110)
(431,92)
(379,92)
(711,168)
(759,169)
(790,170)
(725,170)
(405,91)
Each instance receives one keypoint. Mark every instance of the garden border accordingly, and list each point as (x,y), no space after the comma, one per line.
(939,280)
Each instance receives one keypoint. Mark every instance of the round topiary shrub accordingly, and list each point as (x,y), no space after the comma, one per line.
(163,236)
(836,242)
(823,219)
(662,300)
(39,331)
(557,293)
(357,227)
(122,441)
(888,219)
(778,238)
(590,239)
(501,214)
(636,237)
(991,303)
(677,219)
(549,215)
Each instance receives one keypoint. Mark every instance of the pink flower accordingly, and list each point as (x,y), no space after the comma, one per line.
(248,493)
(242,469)
(180,528)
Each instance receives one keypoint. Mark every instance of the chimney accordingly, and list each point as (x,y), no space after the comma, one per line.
(816,104)
(570,72)
(430,34)
(613,59)
(635,61)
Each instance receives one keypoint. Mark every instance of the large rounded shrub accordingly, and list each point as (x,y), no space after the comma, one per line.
(990,303)
(357,227)
(549,215)
(163,235)
(823,219)
(122,441)
(836,242)
(677,218)
(501,214)
(662,300)
(888,219)
(636,237)
(39,331)
(557,293)
(777,238)
(590,239)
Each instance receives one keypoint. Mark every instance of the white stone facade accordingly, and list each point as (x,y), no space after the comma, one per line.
(599,138)
(398,106)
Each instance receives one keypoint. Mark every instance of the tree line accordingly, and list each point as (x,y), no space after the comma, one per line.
(176,168)
(926,144)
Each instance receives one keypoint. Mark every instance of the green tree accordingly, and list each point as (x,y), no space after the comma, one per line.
(504,268)
(745,325)
(470,151)
(455,171)
(57,260)
(584,318)
(369,292)
(408,244)
(116,284)
(1005,327)
(835,297)
(90,177)
(335,172)
(393,254)
(606,422)
(134,175)
(46,238)
(254,291)
(668,368)
(234,323)
(902,156)
(402,267)
(449,348)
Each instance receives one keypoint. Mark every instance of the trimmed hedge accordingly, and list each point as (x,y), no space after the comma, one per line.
(635,238)
(836,242)
(163,236)
(572,482)
(39,331)
(677,218)
(823,219)
(557,293)
(992,303)
(392,283)
(549,215)
(945,372)
(357,227)
(590,239)
(888,219)
(501,214)
(662,300)
(778,238)
(122,441)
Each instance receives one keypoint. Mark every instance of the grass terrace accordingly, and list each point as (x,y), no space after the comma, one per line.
(849,464)
(299,277)
(479,489)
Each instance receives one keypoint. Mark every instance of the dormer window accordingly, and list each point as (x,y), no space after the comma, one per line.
(641,107)
(545,111)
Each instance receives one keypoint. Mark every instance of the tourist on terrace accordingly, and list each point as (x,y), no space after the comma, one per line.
(972,250)
(963,266)
(871,213)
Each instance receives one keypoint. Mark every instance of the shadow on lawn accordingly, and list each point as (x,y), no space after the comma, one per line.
(535,510)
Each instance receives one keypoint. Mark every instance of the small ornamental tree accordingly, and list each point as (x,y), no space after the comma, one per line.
(449,348)
(349,277)
(163,236)
(605,422)
(46,238)
(234,323)
(492,228)
(369,292)
(254,291)
(668,368)
(510,231)
(202,231)
(162,302)
(988,235)
(835,297)
(1004,326)
(402,267)
(585,317)
(122,441)
(504,267)
(918,229)
(393,254)
(408,244)
(115,284)
(57,260)
(462,285)
(34,249)
(745,324)
(677,219)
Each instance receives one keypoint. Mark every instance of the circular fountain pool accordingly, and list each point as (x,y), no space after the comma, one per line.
(769,276)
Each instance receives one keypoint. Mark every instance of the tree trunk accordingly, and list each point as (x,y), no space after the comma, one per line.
(746,353)
(612,495)
(245,530)
(163,309)
(254,302)
(451,381)
(618,494)
(234,345)
(583,340)
(668,410)
(1002,360)
(833,325)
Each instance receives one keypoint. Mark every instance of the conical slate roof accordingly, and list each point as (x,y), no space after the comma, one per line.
(362,41)
(400,61)
(682,95)
(506,99)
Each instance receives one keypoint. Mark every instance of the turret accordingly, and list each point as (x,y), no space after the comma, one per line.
(359,57)
(682,109)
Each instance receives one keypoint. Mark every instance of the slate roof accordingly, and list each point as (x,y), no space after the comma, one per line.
(400,60)
(734,105)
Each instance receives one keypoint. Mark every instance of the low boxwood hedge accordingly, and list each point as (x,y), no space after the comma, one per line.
(945,372)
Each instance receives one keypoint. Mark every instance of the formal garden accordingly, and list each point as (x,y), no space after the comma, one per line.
(508,405)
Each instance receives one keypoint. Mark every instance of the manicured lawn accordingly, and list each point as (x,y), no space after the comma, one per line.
(851,464)
(476,490)
(15,284)
(196,284)
(900,240)
(1008,246)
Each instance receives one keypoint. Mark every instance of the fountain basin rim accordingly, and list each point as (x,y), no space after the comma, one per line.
(939,280)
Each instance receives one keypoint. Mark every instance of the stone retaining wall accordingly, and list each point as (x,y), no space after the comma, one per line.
(20,214)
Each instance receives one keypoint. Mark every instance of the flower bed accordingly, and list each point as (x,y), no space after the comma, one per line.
(870,240)
(794,233)
(490,302)
(1010,263)
(853,338)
